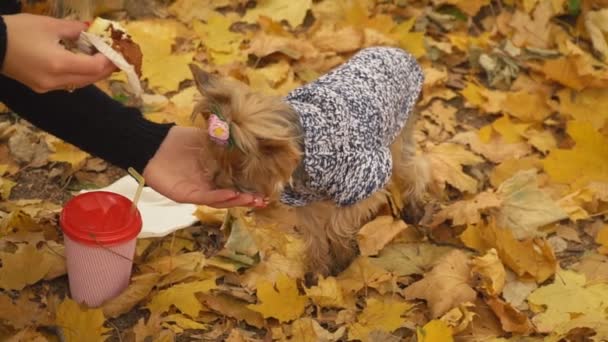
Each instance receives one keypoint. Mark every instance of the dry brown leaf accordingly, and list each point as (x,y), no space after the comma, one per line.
(446,286)
(140,288)
(373,236)
(512,320)
(23,311)
(496,150)
(490,272)
(467,211)
(232,307)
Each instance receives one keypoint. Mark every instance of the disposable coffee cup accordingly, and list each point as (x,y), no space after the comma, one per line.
(100,230)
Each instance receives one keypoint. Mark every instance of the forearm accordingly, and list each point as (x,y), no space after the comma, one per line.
(90,120)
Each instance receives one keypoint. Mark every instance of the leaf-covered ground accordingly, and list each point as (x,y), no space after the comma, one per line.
(513,247)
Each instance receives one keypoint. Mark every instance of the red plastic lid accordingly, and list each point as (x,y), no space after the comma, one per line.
(100,217)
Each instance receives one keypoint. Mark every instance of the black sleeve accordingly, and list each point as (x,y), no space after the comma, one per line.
(90,120)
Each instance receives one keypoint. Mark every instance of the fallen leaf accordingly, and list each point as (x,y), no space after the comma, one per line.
(525,207)
(435,330)
(152,329)
(403,259)
(178,323)
(446,286)
(597,27)
(535,30)
(512,320)
(222,43)
(516,291)
(582,106)
(490,271)
(531,258)
(233,307)
(63,152)
(374,235)
(283,303)
(139,289)
(467,211)
(80,324)
(41,264)
(327,293)
(379,314)
(182,296)
(23,311)
(278,10)
(526,106)
(308,330)
(586,161)
(594,266)
(460,317)
(446,165)
(567,297)
(495,150)
(188,10)
(362,273)
(163,69)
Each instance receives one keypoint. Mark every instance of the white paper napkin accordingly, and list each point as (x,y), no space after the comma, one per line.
(160,215)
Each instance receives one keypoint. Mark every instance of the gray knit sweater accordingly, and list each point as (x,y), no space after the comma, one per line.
(350,117)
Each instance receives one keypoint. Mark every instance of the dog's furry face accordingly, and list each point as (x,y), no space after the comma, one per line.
(265,134)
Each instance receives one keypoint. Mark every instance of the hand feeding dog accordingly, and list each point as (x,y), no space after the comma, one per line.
(324,153)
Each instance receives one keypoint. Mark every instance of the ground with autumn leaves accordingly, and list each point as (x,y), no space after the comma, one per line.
(514,123)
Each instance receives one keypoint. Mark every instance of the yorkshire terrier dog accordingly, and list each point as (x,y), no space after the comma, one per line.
(325,153)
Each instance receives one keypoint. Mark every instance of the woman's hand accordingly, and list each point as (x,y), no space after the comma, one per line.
(35,57)
(176,172)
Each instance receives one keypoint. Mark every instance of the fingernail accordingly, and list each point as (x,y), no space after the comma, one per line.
(88,23)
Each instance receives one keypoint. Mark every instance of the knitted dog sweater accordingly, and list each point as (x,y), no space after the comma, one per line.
(349,118)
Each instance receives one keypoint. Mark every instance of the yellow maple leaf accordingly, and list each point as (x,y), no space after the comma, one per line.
(413,42)
(379,314)
(446,286)
(510,167)
(526,106)
(533,30)
(41,264)
(460,317)
(221,42)
(182,296)
(490,101)
(6,186)
(404,259)
(496,149)
(510,131)
(584,106)
(567,297)
(290,11)
(530,258)
(64,152)
(327,293)
(285,303)
(586,161)
(80,324)
(188,10)
(447,160)
(163,68)
(434,331)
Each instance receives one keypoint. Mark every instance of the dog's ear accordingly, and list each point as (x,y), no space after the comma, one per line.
(203,80)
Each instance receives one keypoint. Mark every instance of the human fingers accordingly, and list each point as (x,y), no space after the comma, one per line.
(69,29)
(224,198)
(96,65)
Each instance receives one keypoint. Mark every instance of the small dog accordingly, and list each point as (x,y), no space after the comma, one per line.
(323,154)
